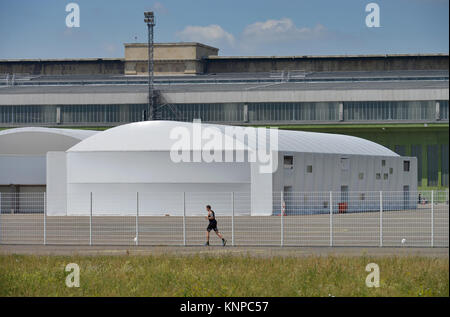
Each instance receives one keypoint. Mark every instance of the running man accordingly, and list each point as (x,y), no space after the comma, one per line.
(213,226)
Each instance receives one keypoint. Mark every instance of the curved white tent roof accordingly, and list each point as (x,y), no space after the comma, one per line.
(39,141)
(156,136)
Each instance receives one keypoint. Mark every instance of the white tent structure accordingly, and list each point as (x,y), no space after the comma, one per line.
(23,162)
(23,152)
(137,166)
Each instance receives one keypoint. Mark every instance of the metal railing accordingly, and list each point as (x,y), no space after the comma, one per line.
(378,219)
(225,78)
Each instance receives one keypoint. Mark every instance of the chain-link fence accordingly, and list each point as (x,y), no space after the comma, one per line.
(394,219)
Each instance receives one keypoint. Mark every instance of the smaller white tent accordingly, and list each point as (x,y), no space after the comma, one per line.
(23,152)
(23,163)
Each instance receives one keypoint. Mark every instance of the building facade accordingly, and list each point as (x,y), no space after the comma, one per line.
(399,101)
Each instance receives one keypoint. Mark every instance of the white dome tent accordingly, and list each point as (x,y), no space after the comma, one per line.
(118,163)
(23,164)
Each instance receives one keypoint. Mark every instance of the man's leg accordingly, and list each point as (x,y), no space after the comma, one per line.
(207,237)
(224,241)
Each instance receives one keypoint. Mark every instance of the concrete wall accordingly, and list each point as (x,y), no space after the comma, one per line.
(195,58)
(63,67)
(227,96)
(326,63)
(169,58)
(329,95)
(169,51)
(165,67)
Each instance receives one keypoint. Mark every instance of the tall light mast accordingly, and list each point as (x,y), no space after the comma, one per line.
(149,19)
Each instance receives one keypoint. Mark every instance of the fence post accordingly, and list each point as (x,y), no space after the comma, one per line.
(381,218)
(45,220)
(137,218)
(282,220)
(432,218)
(232,219)
(331,218)
(184,218)
(90,221)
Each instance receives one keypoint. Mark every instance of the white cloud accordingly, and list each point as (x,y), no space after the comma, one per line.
(262,38)
(159,7)
(211,34)
(283,30)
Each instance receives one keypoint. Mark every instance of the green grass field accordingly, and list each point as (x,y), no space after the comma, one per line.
(168,275)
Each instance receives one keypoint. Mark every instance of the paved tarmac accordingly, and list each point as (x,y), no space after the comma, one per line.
(414,227)
(221,251)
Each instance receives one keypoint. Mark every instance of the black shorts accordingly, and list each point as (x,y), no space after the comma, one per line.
(212,226)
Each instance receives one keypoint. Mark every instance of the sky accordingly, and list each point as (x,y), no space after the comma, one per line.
(37,28)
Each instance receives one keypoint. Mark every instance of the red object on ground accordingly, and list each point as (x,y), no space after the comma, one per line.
(342,207)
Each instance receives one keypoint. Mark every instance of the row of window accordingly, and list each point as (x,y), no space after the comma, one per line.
(72,114)
(289,164)
(393,110)
(230,112)
(310,111)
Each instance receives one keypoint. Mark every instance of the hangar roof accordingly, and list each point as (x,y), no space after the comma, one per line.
(294,80)
(163,135)
(39,141)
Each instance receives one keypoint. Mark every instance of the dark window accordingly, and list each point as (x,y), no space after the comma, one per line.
(443,105)
(406,166)
(432,164)
(416,151)
(309,169)
(288,161)
(444,164)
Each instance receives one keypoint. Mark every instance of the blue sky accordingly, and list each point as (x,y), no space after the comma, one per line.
(37,29)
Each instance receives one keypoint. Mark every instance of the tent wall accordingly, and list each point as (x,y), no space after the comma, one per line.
(22,170)
(56,184)
(114,178)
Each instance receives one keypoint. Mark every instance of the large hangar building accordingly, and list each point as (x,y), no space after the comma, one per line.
(133,163)
(397,100)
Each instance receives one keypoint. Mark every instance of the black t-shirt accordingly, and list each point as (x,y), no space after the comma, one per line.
(212,217)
